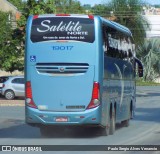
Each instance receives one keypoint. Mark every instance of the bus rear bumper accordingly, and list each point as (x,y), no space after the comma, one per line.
(87,117)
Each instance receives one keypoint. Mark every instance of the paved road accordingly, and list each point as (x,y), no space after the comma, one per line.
(144,129)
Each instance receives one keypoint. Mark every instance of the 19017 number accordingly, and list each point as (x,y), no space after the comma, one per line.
(63,48)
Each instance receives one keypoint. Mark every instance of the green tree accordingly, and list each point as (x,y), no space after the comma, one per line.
(9,47)
(12,41)
(49,7)
(5,26)
(18,3)
(149,53)
(128,13)
(100,10)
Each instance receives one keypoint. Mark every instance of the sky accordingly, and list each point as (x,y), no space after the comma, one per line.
(93,2)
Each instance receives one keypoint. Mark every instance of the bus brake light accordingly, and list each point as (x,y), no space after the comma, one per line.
(95,96)
(91,16)
(35,16)
(29,99)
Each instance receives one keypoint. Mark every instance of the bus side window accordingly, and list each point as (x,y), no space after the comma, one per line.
(105,40)
(130,56)
(121,54)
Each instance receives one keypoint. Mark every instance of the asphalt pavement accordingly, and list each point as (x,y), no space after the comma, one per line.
(144,129)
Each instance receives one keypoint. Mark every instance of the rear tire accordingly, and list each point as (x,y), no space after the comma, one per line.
(106,130)
(109,130)
(125,123)
(112,124)
(9,94)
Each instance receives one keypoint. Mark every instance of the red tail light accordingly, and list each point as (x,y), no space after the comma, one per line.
(35,16)
(91,16)
(95,96)
(29,99)
(3,85)
(28,90)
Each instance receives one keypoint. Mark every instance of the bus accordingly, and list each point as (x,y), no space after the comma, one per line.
(79,71)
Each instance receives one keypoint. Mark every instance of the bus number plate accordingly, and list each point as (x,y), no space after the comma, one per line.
(61,119)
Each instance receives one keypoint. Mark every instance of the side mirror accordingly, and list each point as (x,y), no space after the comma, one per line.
(140,67)
(140,72)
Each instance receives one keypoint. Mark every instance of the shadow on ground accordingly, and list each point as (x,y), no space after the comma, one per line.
(18,129)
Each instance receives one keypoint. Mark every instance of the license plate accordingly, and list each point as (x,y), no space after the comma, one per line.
(61,119)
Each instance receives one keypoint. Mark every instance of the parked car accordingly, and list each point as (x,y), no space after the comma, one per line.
(2,80)
(13,87)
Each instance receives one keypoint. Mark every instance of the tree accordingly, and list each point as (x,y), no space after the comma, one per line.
(5,26)
(12,40)
(9,47)
(48,7)
(100,10)
(128,13)
(150,55)
(18,3)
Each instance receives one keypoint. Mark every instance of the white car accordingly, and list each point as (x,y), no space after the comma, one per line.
(13,87)
(2,80)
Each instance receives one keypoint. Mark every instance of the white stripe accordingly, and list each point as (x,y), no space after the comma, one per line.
(71,16)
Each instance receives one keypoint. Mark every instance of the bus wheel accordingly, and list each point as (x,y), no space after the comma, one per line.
(112,123)
(131,112)
(106,130)
(125,123)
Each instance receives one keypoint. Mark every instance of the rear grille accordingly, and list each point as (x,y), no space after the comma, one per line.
(61,68)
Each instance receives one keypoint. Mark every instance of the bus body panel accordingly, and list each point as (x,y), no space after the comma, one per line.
(62,93)
(77,69)
(87,117)
(118,87)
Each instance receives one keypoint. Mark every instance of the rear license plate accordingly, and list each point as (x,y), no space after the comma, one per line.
(61,119)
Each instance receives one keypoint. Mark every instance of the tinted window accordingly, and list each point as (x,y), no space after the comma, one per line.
(117,44)
(3,79)
(18,80)
(62,28)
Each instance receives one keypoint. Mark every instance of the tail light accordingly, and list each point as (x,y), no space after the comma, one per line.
(3,85)
(95,96)
(29,98)
(35,16)
(91,16)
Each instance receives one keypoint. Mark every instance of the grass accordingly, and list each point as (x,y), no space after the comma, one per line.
(146,83)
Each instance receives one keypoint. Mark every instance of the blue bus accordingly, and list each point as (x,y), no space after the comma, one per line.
(79,71)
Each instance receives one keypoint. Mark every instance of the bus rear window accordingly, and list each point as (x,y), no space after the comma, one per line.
(62,28)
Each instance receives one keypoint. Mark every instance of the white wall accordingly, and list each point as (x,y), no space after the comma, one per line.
(154,21)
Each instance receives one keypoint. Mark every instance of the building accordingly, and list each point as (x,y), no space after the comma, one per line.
(151,11)
(14,14)
(154,21)
(152,15)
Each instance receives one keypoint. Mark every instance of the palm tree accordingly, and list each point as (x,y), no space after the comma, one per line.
(128,13)
(150,55)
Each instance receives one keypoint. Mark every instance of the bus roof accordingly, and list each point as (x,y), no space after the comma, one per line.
(106,22)
(116,26)
(64,15)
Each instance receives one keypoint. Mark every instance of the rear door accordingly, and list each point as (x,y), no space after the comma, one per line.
(62,72)
(18,86)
